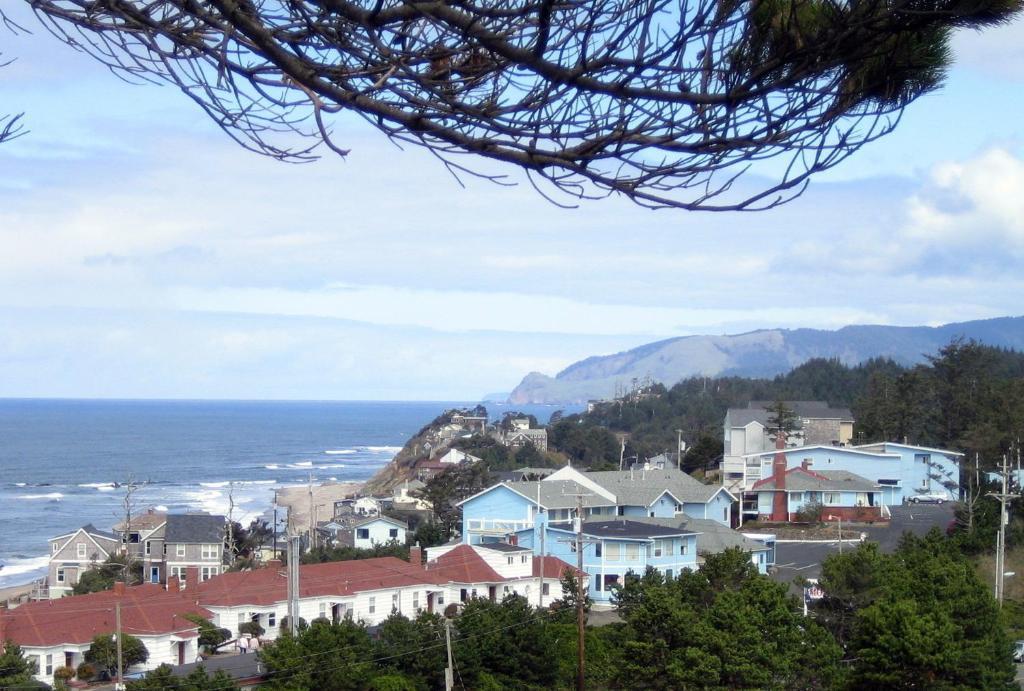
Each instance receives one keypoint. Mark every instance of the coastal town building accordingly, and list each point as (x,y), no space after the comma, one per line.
(746,431)
(832,495)
(74,553)
(57,633)
(364,532)
(509,507)
(169,544)
(457,457)
(897,473)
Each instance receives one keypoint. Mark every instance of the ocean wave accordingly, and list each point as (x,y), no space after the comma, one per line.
(20,484)
(225,483)
(301,464)
(54,496)
(272,467)
(382,449)
(22,569)
(99,486)
(331,466)
(340,452)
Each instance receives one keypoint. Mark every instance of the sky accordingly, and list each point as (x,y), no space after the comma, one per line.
(146,255)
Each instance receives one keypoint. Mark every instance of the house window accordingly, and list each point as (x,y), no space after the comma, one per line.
(395,606)
(547,588)
(440,599)
(597,582)
(55,547)
(149,547)
(393,532)
(49,665)
(505,589)
(323,610)
(657,548)
(831,499)
(208,572)
(597,550)
(668,574)
(209,551)
(271,619)
(632,552)
(180,550)
(725,514)
(523,558)
(621,511)
(81,550)
(416,600)
(373,604)
(60,575)
(363,533)
(682,546)
(612,552)
(510,561)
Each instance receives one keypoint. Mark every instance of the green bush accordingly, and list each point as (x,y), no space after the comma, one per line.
(85,672)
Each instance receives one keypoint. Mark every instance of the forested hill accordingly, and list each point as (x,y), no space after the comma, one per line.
(968,397)
(764,353)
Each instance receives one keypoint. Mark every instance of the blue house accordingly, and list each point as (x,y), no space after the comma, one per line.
(839,493)
(615,547)
(901,471)
(509,507)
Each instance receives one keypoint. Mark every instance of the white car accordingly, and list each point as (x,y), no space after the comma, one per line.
(929,498)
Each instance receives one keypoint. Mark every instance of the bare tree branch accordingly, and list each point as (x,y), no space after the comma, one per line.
(696,104)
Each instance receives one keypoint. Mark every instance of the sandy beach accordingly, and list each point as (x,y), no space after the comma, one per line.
(299,503)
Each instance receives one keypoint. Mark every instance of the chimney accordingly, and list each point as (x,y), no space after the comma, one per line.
(780,500)
(173,584)
(192,576)
(513,539)
(805,464)
(119,588)
(416,555)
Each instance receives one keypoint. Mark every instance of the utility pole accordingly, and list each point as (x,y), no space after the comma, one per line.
(311,510)
(581,598)
(1004,517)
(581,593)
(231,522)
(679,449)
(293,584)
(449,671)
(540,596)
(117,639)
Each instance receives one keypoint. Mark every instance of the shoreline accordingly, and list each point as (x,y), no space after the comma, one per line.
(299,502)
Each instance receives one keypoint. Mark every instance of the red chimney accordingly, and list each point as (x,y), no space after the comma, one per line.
(119,588)
(173,584)
(805,464)
(513,539)
(780,501)
(416,555)
(192,575)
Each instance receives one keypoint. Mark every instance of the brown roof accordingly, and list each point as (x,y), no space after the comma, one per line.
(269,585)
(553,567)
(144,521)
(463,565)
(146,610)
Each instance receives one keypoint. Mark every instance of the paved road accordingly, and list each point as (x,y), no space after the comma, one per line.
(793,560)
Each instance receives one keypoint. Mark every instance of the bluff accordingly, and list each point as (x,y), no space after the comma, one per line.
(762,353)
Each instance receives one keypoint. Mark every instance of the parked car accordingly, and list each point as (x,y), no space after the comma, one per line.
(929,498)
(1018,651)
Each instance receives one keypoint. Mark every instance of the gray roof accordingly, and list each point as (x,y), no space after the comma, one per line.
(800,480)
(194,528)
(503,547)
(236,666)
(626,528)
(93,530)
(643,487)
(387,519)
(756,411)
(557,494)
(712,536)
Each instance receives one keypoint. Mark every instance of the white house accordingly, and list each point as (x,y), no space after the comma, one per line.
(57,633)
(456,456)
(378,530)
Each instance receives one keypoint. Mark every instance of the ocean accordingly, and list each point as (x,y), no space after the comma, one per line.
(62,461)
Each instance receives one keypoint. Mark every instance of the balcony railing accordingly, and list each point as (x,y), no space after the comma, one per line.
(496,526)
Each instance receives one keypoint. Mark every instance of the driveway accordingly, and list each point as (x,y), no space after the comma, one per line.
(802,559)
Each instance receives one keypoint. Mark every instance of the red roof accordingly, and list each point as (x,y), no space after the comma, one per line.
(146,610)
(553,567)
(338,578)
(463,565)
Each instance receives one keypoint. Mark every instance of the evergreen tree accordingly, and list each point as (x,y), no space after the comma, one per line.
(15,669)
(103,652)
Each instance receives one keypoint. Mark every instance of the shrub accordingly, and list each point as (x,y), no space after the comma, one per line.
(252,628)
(810,512)
(86,672)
